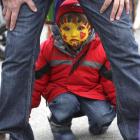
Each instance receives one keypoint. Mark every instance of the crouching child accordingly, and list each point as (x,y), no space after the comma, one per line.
(74,75)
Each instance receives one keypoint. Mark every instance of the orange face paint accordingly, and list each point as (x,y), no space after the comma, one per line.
(82,35)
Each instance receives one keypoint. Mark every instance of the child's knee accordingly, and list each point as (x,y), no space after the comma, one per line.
(63,108)
(106,120)
(101,125)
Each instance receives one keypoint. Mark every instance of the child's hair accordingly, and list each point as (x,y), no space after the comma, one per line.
(73,17)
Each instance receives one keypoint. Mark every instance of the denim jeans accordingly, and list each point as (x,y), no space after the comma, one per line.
(17,71)
(122,51)
(65,107)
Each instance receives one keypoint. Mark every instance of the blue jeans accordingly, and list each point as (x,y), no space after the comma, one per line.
(122,51)
(67,105)
(17,71)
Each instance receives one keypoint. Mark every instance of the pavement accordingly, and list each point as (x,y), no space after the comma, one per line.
(41,128)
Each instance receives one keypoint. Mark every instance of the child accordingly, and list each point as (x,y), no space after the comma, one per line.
(71,74)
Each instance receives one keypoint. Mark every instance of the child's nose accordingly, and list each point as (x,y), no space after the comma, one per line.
(74,34)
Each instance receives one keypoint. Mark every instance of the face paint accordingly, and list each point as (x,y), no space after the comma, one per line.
(74,33)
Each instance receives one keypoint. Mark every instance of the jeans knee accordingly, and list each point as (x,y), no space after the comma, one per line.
(106,121)
(64,107)
(102,121)
(100,126)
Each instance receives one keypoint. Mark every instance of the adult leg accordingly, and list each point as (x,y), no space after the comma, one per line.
(22,134)
(122,51)
(63,109)
(100,114)
(17,71)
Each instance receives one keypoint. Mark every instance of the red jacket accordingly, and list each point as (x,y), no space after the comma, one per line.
(55,76)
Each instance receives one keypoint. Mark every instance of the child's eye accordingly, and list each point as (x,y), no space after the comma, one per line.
(80,28)
(66,28)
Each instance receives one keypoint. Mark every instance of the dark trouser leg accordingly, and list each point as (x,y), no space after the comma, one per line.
(63,109)
(100,114)
(17,71)
(122,51)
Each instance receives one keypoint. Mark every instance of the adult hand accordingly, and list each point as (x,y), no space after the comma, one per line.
(117,9)
(11,10)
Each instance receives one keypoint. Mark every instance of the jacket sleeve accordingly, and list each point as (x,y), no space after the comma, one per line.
(107,83)
(41,75)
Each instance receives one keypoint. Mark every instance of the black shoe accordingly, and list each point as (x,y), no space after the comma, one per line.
(96,131)
(63,136)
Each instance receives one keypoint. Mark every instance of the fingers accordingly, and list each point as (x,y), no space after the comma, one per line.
(15,13)
(127,6)
(118,6)
(105,5)
(31,5)
(115,8)
(120,10)
(11,18)
(11,11)
(4,11)
(14,17)
(7,17)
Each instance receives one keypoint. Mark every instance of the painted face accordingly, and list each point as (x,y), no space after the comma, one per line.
(75,33)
